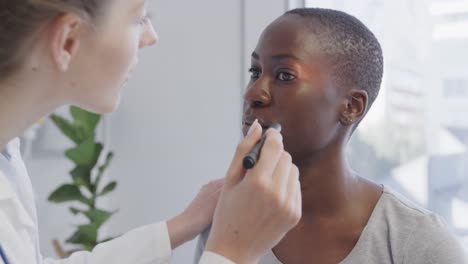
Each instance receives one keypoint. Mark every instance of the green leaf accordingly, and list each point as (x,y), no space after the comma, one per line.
(86,121)
(109,188)
(85,154)
(65,193)
(106,240)
(89,118)
(88,247)
(98,217)
(66,127)
(85,235)
(82,176)
(109,158)
(103,167)
(75,211)
(79,182)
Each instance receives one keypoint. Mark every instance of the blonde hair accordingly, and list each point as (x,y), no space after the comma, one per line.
(20,19)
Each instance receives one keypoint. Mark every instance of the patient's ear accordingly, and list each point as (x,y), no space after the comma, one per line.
(354,107)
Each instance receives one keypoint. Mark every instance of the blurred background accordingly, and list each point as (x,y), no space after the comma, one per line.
(180,117)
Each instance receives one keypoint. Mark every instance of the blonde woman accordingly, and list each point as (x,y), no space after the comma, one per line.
(80,52)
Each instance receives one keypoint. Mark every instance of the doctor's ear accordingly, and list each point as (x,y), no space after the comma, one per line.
(354,107)
(64,39)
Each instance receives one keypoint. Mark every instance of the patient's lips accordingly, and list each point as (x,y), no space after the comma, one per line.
(248,121)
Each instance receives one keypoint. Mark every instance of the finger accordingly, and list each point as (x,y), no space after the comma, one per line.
(281,175)
(294,194)
(236,171)
(217,184)
(269,156)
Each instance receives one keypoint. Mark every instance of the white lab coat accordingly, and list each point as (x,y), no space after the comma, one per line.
(19,230)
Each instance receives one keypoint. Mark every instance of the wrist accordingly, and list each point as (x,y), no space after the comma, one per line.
(180,230)
(233,253)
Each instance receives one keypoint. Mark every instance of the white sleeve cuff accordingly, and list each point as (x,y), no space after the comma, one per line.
(148,244)
(213,258)
(165,243)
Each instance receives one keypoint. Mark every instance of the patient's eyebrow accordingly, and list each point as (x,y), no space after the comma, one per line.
(277,56)
(284,57)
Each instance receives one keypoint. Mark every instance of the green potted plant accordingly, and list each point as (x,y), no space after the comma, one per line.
(85,186)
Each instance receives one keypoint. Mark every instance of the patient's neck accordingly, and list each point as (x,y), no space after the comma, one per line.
(328,184)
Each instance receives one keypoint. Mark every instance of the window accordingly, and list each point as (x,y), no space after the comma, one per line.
(454,88)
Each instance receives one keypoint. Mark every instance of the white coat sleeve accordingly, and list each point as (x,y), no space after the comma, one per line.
(212,258)
(144,245)
(205,257)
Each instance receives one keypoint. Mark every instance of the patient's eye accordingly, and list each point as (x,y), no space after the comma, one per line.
(254,73)
(285,76)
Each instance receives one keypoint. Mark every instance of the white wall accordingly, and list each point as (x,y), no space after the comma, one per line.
(257,15)
(180,117)
(180,120)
